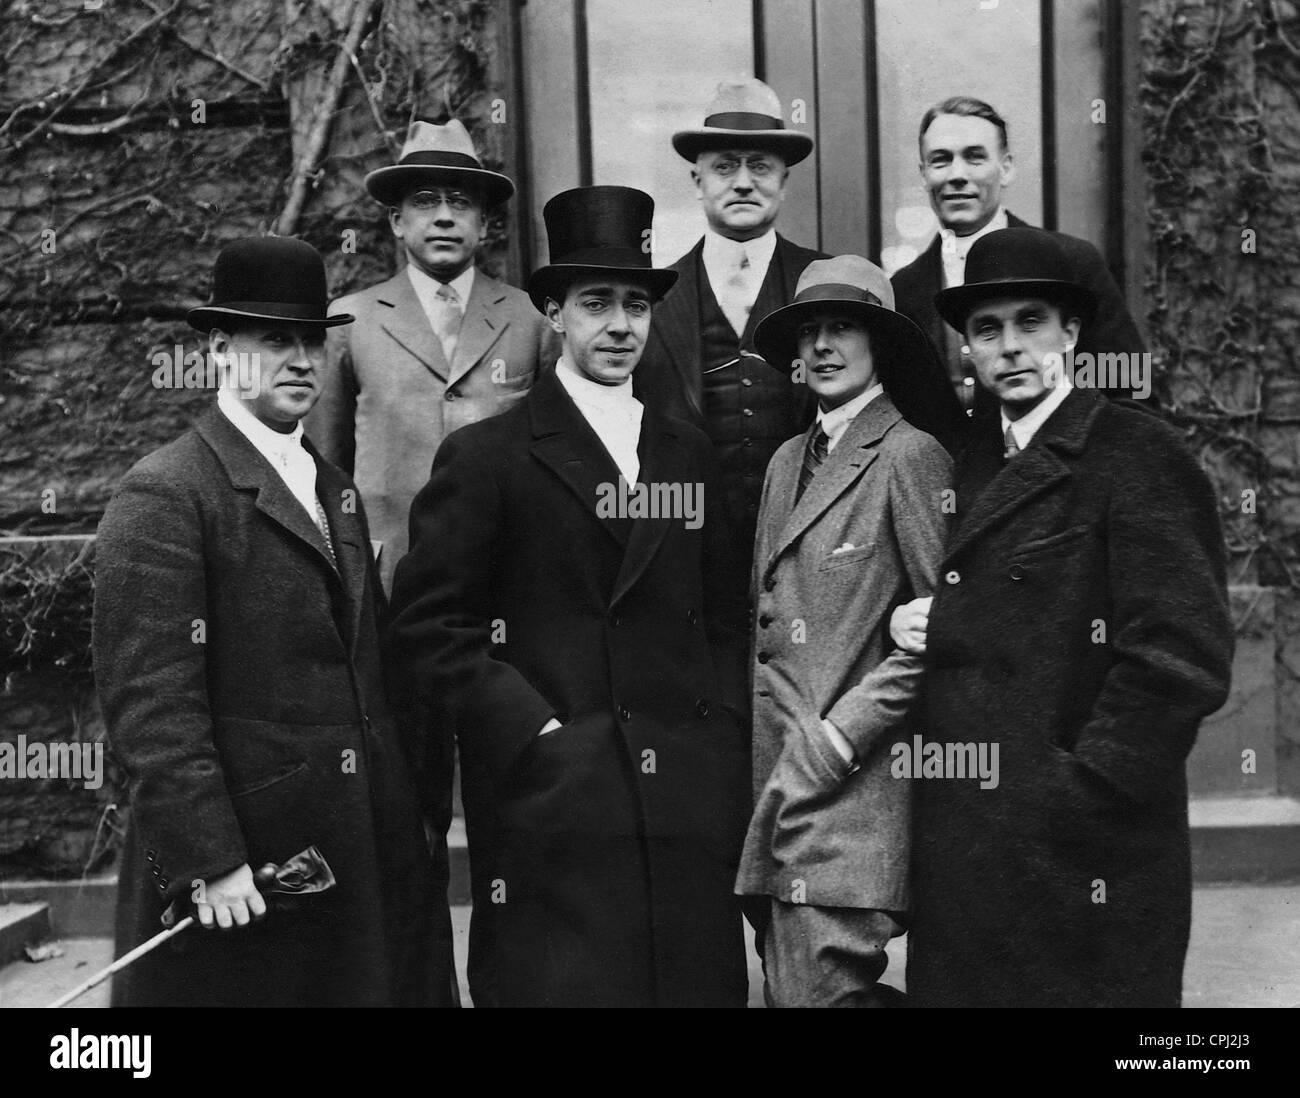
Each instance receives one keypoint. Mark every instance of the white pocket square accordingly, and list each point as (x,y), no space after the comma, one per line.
(847,547)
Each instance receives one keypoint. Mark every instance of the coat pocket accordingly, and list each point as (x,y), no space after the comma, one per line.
(256,785)
(839,557)
(1053,541)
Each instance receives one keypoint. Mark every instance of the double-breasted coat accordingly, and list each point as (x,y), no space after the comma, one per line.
(1081,624)
(604,853)
(389,397)
(240,676)
(867,534)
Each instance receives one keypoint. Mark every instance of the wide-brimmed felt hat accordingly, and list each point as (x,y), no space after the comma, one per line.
(744,114)
(437,154)
(905,361)
(267,278)
(598,231)
(1020,262)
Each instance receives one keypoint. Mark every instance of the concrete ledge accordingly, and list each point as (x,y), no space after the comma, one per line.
(22,925)
(1245,839)
(77,909)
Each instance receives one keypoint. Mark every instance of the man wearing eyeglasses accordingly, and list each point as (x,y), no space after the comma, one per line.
(439,345)
(699,363)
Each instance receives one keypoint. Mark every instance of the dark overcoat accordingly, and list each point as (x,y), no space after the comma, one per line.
(1082,626)
(241,682)
(603,853)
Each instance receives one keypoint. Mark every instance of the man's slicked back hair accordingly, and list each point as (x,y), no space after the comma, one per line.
(969,107)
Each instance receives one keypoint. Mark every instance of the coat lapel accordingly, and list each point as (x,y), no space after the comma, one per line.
(409,326)
(1037,469)
(350,549)
(565,443)
(852,456)
(677,320)
(482,326)
(249,469)
(660,457)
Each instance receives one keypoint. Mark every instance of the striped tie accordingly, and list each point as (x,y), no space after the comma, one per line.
(814,455)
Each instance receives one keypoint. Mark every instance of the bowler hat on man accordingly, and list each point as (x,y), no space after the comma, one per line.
(598,232)
(437,154)
(905,360)
(744,114)
(267,278)
(1016,263)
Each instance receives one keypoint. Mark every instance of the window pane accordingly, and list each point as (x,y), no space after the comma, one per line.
(992,54)
(652,70)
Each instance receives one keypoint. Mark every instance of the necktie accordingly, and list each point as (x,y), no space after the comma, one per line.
(814,455)
(736,303)
(447,327)
(1012,447)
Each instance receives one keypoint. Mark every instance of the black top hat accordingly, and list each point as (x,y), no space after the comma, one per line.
(267,278)
(598,231)
(1020,262)
(437,154)
(906,362)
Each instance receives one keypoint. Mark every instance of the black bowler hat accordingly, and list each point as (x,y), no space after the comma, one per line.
(598,232)
(267,278)
(1020,262)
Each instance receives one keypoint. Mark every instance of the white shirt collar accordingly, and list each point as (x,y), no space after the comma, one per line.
(837,420)
(1024,429)
(960,245)
(609,399)
(722,253)
(426,287)
(271,444)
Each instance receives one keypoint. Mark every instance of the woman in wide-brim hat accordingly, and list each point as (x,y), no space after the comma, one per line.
(905,360)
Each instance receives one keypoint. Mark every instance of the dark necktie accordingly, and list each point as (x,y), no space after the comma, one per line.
(814,455)
(1012,447)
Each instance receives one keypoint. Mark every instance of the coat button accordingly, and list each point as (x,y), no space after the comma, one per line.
(748,442)
(952,577)
(763,657)
(624,713)
(1016,572)
(692,618)
(701,708)
(747,411)
(164,883)
(764,620)
(156,871)
(746,382)
(152,855)
(452,394)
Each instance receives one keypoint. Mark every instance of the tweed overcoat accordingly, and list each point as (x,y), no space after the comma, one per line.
(389,396)
(867,534)
(603,854)
(1082,626)
(241,682)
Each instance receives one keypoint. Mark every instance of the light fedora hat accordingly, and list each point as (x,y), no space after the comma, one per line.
(598,232)
(435,153)
(744,114)
(267,278)
(906,362)
(1020,262)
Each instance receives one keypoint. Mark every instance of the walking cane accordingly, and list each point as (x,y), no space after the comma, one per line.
(302,874)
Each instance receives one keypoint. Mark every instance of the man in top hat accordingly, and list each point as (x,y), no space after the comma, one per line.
(1081,629)
(237,645)
(569,608)
(965,165)
(853,522)
(700,363)
(439,345)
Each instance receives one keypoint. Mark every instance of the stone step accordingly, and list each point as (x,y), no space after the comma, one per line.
(1245,839)
(22,925)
